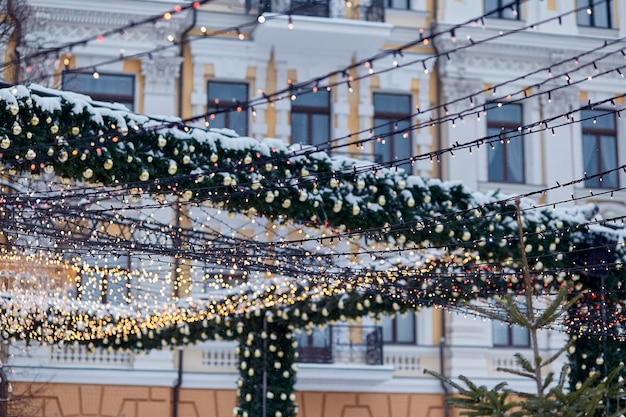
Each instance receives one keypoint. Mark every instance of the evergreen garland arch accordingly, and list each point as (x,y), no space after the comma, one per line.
(51,133)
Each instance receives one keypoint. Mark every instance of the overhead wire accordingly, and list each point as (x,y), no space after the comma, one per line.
(489,139)
(288,92)
(461,114)
(167,15)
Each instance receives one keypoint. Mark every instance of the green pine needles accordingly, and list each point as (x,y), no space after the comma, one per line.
(592,396)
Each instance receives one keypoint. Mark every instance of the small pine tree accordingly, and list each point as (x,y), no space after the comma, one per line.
(595,396)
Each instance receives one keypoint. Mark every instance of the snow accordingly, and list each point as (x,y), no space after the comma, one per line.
(385,259)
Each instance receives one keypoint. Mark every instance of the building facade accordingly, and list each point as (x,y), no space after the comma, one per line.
(556,76)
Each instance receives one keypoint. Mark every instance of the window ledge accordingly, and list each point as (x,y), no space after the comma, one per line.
(508,187)
(406,17)
(598,32)
(318,376)
(509,24)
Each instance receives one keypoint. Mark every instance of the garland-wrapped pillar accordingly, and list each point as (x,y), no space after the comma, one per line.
(597,346)
(267,354)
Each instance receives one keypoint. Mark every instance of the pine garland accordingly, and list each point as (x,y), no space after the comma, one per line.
(68,135)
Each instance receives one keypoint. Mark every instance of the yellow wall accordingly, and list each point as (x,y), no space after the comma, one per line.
(71,400)
(10,58)
(133,66)
(270,86)
(187,74)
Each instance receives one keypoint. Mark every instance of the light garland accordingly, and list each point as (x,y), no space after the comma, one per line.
(250,163)
(68,46)
(258,178)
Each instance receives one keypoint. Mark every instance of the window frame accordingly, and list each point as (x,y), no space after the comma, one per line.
(504,128)
(394,329)
(390,5)
(591,17)
(109,98)
(510,330)
(598,133)
(103,293)
(309,351)
(310,8)
(501,13)
(391,134)
(310,111)
(213,106)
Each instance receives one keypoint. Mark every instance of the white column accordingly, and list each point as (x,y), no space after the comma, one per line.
(470,167)
(560,149)
(366,113)
(198,96)
(468,340)
(283,107)
(422,138)
(534,171)
(160,76)
(258,127)
(341,110)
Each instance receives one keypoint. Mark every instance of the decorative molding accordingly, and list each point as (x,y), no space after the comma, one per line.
(494,60)
(455,88)
(500,59)
(560,101)
(160,73)
(57,24)
(105,17)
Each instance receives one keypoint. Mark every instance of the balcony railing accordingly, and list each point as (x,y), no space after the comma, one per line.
(368,10)
(336,345)
(220,357)
(342,344)
(81,356)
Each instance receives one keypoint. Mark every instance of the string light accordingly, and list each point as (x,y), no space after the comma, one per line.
(100,37)
(459,115)
(546,124)
(398,51)
(525,92)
